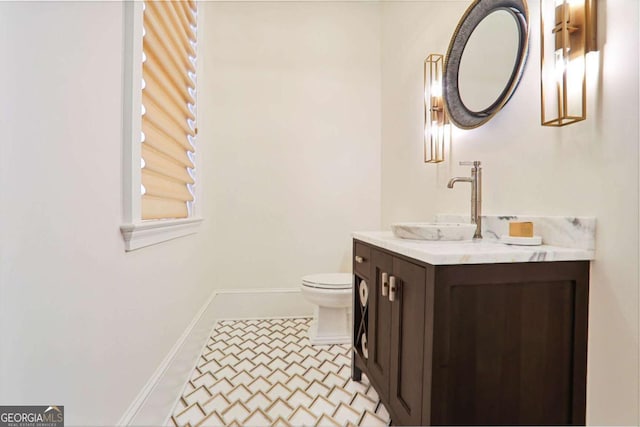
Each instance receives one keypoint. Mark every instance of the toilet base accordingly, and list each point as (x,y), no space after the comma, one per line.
(330,326)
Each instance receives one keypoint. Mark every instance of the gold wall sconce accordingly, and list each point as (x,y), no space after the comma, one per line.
(567,33)
(437,130)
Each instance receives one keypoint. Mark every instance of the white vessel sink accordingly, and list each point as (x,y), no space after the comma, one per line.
(441,231)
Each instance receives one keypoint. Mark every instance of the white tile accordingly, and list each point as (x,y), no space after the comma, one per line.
(247,353)
(192,415)
(354,387)
(372,420)
(200,395)
(299,398)
(257,418)
(293,348)
(307,351)
(249,335)
(207,379)
(338,395)
(290,339)
(332,379)
(278,363)
(221,386)
(326,421)
(317,388)
(278,343)
(328,366)
(212,420)
(371,392)
(341,359)
(382,412)
(229,360)
(321,406)
(293,357)
(323,355)
(262,347)
(278,390)
(215,353)
(302,417)
(216,403)
(242,378)
(225,372)
(278,352)
(248,344)
(265,372)
(244,365)
(240,392)
(279,409)
(295,368)
(259,384)
(276,334)
(258,400)
(233,341)
(261,358)
(314,374)
(345,372)
(237,411)
(361,402)
(277,376)
(310,361)
(296,381)
(263,339)
(344,413)
(280,422)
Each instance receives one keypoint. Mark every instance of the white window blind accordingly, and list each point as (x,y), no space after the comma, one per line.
(168,109)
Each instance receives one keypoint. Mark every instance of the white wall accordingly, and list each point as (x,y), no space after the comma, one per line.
(289,141)
(82,323)
(590,168)
(293,104)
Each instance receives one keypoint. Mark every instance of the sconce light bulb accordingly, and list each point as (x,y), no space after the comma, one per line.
(436,88)
(560,64)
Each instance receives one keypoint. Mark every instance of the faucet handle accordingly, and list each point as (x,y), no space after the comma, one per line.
(475,163)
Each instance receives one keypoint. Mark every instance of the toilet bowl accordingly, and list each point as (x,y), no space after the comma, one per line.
(331,296)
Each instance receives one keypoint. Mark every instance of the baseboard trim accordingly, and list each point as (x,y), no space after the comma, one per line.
(155,378)
(150,406)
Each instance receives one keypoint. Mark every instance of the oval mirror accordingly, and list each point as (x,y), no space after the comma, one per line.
(485,60)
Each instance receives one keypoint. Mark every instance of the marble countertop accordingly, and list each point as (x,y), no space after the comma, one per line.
(484,251)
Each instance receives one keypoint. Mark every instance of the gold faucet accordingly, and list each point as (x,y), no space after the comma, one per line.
(476,193)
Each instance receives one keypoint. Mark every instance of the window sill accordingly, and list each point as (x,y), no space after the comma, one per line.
(147,233)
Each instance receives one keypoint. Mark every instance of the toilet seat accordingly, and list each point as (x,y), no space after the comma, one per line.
(337,281)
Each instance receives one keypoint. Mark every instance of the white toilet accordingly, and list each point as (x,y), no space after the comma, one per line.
(331,295)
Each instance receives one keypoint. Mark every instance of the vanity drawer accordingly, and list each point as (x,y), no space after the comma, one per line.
(361,259)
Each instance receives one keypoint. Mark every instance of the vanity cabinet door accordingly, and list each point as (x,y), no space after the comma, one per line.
(407,342)
(511,344)
(379,322)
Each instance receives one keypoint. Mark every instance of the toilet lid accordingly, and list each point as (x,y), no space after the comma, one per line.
(328,281)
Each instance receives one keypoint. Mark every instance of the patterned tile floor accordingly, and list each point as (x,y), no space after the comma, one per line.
(266,373)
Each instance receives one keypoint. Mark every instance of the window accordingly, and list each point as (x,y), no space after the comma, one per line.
(160,122)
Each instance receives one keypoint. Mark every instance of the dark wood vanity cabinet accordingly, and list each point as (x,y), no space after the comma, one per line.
(480,344)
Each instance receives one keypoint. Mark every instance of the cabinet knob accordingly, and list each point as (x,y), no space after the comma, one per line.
(384,289)
(393,287)
(359,259)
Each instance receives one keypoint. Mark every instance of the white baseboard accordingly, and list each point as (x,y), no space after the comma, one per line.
(261,303)
(158,397)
